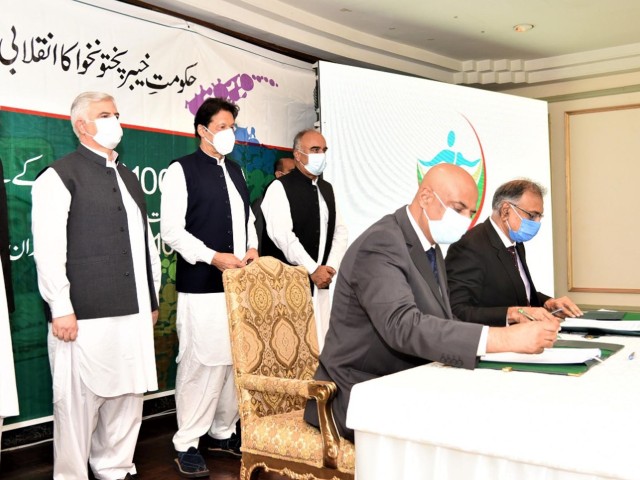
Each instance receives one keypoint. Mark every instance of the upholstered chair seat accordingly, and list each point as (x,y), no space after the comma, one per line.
(287,435)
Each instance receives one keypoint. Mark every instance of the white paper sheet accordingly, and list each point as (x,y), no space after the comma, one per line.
(550,355)
(614,325)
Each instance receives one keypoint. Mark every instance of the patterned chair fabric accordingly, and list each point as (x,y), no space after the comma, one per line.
(275,354)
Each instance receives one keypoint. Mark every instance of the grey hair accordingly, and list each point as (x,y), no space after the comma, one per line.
(512,191)
(299,135)
(80,106)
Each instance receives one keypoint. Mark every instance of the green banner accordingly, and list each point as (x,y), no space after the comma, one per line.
(30,142)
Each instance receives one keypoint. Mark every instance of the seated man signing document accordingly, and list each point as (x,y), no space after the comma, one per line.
(390,307)
(489,280)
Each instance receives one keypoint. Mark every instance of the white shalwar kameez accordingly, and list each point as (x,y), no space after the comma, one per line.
(100,378)
(8,391)
(279,225)
(205,387)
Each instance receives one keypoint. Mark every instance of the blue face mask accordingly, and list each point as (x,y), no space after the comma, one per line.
(528,229)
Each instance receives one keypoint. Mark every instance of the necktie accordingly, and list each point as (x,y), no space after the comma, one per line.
(431,254)
(514,256)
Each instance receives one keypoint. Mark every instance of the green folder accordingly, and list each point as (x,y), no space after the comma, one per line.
(572,369)
(594,314)
(603,315)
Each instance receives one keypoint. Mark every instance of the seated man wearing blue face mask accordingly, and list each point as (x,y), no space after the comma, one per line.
(488,276)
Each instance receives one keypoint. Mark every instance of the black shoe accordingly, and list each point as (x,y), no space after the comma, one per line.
(190,464)
(229,446)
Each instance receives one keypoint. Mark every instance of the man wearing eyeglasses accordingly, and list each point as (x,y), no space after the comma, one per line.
(391,311)
(488,277)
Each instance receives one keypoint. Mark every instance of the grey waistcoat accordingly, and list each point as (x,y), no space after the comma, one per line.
(99,262)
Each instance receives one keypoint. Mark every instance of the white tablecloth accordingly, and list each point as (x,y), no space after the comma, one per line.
(436,422)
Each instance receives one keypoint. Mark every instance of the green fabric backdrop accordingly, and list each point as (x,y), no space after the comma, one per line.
(30,142)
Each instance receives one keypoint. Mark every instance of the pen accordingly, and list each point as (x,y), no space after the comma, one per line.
(522,312)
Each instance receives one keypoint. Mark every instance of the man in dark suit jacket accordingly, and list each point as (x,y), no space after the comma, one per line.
(489,280)
(391,312)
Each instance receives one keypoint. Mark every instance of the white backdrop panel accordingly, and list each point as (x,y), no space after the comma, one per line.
(384,130)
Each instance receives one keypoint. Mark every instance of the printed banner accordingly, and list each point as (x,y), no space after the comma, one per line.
(160,70)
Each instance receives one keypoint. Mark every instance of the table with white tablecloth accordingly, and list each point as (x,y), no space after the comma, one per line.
(438,422)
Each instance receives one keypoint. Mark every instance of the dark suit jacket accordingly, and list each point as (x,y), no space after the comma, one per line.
(388,315)
(483,281)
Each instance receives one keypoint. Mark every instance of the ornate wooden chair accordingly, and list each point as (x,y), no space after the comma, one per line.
(275,354)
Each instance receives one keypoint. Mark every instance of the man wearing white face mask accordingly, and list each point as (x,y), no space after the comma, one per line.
(489,279)
(99,273)
(206,217)
(391,310)
(303,224)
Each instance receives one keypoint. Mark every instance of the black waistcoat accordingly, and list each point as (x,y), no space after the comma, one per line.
(208,217)
(305,214)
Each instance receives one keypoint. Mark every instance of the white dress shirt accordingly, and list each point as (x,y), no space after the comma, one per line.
(116,354)
(202,317)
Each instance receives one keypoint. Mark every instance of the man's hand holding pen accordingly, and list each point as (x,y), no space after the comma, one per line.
(563,307)
(527,314)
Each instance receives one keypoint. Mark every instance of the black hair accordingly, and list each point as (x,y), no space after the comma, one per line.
(211,107)
(278,166)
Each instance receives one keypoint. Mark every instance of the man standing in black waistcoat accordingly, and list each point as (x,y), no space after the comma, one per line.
(206,217)
(99,273)
(303,226)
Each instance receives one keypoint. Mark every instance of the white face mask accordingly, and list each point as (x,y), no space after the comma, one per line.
(450,227)
(316,164)
(109,132)
(223,141)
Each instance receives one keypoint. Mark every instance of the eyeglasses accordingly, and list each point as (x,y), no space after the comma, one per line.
(535,216)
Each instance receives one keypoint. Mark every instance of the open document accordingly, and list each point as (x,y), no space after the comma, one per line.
(549,356)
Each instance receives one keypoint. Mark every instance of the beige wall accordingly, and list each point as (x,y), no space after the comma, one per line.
(602,212)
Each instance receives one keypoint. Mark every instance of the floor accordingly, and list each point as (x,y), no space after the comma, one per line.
(154,457)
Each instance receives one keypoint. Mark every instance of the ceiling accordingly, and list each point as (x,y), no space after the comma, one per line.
(469,42)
